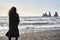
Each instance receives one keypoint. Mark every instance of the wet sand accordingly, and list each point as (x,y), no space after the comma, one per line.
(42,35)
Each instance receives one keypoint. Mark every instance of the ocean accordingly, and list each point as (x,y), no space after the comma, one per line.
(31,23)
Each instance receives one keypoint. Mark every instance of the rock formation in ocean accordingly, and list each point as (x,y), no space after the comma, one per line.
(49,14)
(45,15)
(56,14)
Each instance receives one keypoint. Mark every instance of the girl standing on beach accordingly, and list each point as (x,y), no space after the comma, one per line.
(13,24)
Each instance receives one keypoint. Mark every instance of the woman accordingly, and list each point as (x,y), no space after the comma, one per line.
(13,24)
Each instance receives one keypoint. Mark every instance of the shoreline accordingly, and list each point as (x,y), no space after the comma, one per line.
(22,31)
(42,35)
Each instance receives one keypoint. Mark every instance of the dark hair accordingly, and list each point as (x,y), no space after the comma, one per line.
(12,10)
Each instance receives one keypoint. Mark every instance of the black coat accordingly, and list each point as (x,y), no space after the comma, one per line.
(13,25)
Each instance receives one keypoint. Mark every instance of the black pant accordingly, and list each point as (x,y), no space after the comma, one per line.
(16,38)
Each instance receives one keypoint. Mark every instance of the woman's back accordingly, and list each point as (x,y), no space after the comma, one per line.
(13,23)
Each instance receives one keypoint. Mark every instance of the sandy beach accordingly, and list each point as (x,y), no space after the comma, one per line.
(42,35)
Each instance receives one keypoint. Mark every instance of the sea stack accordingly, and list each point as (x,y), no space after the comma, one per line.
(45,15)
(56,14)
(49,14)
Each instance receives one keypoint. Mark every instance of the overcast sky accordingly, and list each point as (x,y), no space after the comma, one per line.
(30,7)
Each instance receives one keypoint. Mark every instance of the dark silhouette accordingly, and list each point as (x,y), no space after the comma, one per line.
(56,14)
(49,14)
(45,15)
(13,24)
